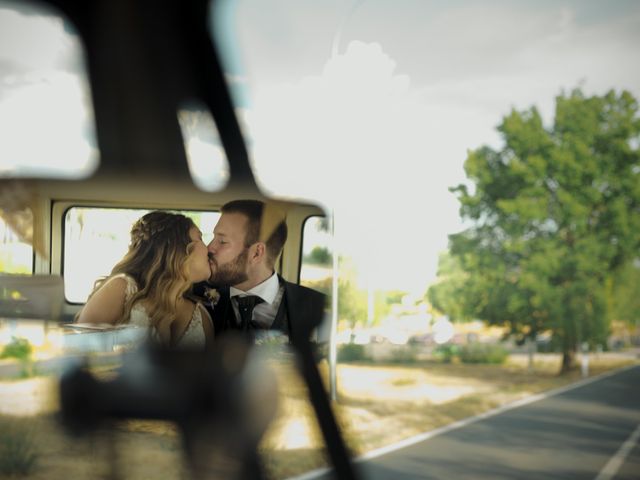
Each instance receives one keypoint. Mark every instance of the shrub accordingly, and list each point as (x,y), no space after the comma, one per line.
(18,348)
(405,354)
(445,353)
(351,352)
(18,453)
(483,353)
(21,350)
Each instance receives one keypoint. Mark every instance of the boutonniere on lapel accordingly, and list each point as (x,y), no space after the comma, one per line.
(212,295)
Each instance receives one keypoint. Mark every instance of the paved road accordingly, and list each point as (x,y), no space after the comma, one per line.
(588,432)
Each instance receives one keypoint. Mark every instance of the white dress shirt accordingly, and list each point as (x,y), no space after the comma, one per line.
(265,312)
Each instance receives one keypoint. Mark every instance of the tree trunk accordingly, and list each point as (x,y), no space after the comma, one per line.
(568,361)
(531,350)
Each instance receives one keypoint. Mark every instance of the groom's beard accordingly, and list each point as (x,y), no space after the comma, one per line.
(231,273)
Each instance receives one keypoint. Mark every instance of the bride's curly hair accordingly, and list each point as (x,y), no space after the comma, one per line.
(157,260)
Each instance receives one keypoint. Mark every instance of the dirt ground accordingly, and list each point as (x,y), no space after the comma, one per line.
(377,405)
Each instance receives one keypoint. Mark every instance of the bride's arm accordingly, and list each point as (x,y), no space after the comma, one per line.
(207,326)
(106,305)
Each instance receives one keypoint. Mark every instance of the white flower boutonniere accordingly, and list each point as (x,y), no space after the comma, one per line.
(212,295)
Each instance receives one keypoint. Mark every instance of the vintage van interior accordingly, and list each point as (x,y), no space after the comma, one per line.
(140,128)
(144,93)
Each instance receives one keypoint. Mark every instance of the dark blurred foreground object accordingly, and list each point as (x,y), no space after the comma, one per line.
(210,396)
(146,60)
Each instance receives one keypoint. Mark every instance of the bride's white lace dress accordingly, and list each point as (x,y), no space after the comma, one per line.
(193,337)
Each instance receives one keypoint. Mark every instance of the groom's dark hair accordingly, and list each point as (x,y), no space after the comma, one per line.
(258,213)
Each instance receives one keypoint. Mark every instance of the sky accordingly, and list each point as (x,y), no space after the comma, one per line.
(365,107)
(44,95)
(372,106)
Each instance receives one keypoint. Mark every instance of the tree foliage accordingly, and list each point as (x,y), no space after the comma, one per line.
(447,294)
(624,294)
(319,256)
(555,214)
(353,299)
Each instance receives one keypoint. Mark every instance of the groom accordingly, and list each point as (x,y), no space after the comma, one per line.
(248,239)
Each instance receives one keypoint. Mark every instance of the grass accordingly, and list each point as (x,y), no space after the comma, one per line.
(403,381)
(377,405)
(384,403)
(18,450)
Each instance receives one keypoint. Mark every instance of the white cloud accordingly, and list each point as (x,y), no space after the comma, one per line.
(381,136)
(36,44)
(354,138)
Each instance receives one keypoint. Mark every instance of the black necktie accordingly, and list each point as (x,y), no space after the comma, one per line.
(245,307)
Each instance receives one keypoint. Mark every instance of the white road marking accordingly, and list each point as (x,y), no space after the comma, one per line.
(613,465)
(467,421)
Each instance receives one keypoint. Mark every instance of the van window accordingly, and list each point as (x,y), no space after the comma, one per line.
(95,239)
(44,95)
(316,266)
(206,157)
(16,256)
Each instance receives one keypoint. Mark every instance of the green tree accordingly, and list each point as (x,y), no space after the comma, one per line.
(319,256)
(555,214)
(447,294)
(352,301)
(624,294)
(392,297)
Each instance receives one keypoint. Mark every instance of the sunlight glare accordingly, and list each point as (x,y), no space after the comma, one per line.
(45,96)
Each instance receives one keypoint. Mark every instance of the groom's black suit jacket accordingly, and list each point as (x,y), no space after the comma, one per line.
(301,311)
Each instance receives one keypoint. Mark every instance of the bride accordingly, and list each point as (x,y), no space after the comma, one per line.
(151,286)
